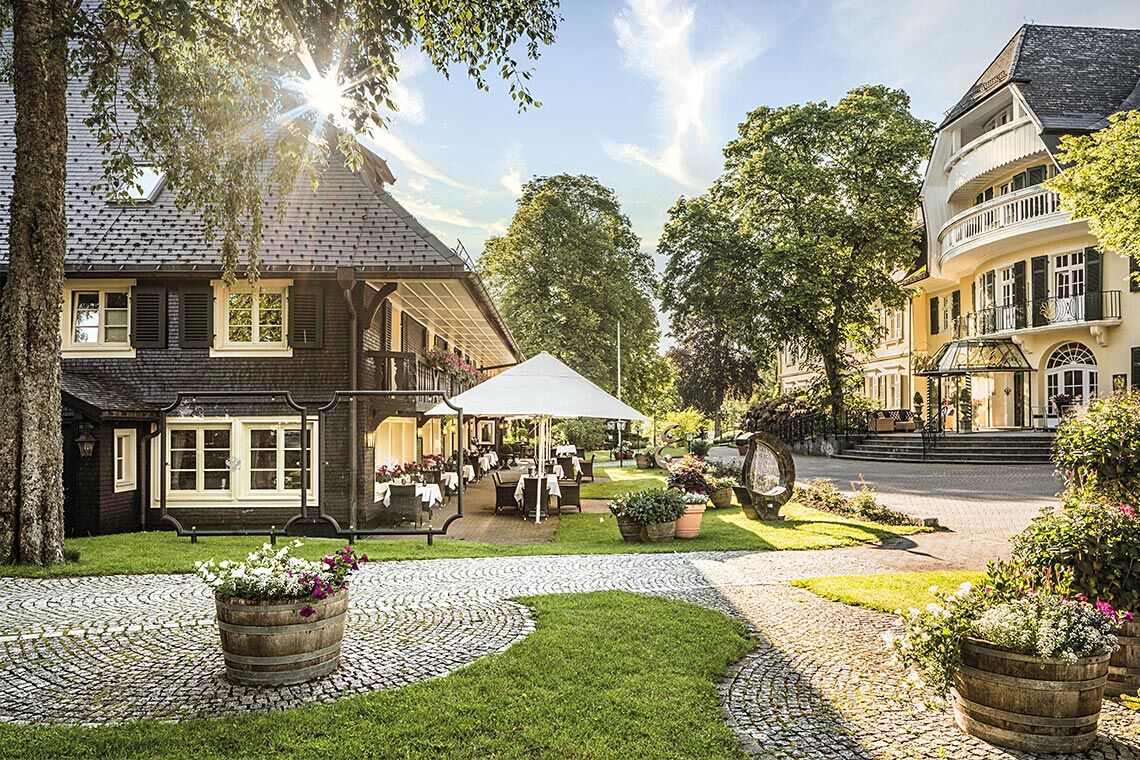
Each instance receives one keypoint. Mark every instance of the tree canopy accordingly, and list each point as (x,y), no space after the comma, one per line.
(1101,182)
(231,98)
(568,270)
(817,204)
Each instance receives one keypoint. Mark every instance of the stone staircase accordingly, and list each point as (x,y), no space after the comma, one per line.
(955,448)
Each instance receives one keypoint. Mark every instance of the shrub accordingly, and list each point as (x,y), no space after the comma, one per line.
(699,447)
(724,468)
(1098,446)
(688,474)
(824,496)
(1088,547)
(581,432)
(657,505)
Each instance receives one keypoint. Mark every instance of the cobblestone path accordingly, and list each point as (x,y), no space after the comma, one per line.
(818,685)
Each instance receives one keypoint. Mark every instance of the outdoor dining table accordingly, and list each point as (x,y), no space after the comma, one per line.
(552,488)
(429,493)
(449,480)
(468,472)
(565,450)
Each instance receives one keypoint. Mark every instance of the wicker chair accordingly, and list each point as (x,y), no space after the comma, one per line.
(504,495)
(549,468)
(567,465)
(431,477)
(530,497)
(587,466)
(571,494)
(580,452)
(403,503)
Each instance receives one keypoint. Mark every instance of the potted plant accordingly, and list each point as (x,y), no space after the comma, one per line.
(281,618)
(645,459)
(688,475)
(723,475)
(648,516)
(1027,673)
(689,523)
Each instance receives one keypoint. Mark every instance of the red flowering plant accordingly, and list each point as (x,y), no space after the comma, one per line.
(455,366)
(386,473)
(272,574)
(689,475)
(432,463)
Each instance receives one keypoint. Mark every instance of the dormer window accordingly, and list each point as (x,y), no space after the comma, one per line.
(144,188)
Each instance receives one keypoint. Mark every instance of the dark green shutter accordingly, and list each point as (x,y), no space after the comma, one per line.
(148,316)
(1019,294)
(387,314)
(1134,274)
(1136,368)
(1094,284)
(403,331)
(934,315)
(1040,277)
(196,317)
(955,304)
(306,316)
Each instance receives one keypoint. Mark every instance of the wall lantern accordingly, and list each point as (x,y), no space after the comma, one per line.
(370,439)
(86,442)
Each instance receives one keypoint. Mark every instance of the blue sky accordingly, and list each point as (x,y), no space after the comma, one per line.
(643,94)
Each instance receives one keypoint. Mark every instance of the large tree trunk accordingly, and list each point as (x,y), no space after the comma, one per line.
(31,449)
(834,382)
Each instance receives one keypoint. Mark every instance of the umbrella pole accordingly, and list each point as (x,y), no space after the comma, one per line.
(543,434)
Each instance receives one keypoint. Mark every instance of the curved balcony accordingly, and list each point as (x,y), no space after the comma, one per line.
(1016,213)
(990,154)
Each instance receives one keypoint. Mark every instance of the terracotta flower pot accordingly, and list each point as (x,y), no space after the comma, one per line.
(643,462)
(658,532)
(1028,703)
(721,497)
(689,524)
(630,530)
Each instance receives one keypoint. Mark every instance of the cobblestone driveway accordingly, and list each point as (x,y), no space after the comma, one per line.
(98,650)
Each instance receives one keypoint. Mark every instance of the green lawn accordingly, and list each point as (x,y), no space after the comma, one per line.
(721,530)
(614,481)
(605,675)
(887,592)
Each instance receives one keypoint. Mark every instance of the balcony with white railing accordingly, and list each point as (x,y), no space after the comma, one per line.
(992,153)
(1027,210)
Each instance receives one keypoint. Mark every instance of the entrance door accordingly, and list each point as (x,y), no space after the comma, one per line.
(1069,287)
(1072,375)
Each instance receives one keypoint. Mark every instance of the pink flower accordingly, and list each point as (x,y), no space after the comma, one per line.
(1128,510)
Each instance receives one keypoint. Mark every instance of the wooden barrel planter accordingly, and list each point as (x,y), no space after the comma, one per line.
(721,498)
(1124,666)
(1028,703)
(658,532)
(270,644)
(630,530)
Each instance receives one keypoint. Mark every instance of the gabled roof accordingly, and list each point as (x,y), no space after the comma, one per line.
(1072,77)
(96,396)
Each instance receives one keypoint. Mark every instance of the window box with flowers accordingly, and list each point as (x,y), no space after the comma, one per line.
(454,367)
(281,618)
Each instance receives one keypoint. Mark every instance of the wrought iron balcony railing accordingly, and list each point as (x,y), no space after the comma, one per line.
(1093,306)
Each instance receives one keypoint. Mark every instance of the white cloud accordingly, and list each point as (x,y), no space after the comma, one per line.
(515,175)
(656,39)
(425,209)
(388,145)
(409,101)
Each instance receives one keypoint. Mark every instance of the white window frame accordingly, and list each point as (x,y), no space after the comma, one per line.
(240,492)
(72,349)
(126,453)
(223,346)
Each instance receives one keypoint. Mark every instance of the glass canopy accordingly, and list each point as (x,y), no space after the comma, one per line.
(967,357)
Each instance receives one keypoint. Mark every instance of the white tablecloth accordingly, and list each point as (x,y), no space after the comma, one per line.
(565,451)
(551,487)
(429,493)
(575,462)
(488,461)
(449,480)
(468,472)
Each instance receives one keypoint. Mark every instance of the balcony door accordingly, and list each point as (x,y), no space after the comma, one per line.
(1069,287)
(1007,303)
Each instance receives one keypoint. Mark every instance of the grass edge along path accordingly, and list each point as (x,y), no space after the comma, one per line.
(605,674)
(721,530)
(887,592)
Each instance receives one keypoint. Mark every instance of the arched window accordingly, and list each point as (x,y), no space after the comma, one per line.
(1071,353)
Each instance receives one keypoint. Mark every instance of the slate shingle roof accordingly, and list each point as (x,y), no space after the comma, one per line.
(1072,77)
(96,395)
(349,221)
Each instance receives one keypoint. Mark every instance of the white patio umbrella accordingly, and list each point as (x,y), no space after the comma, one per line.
(542,388)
